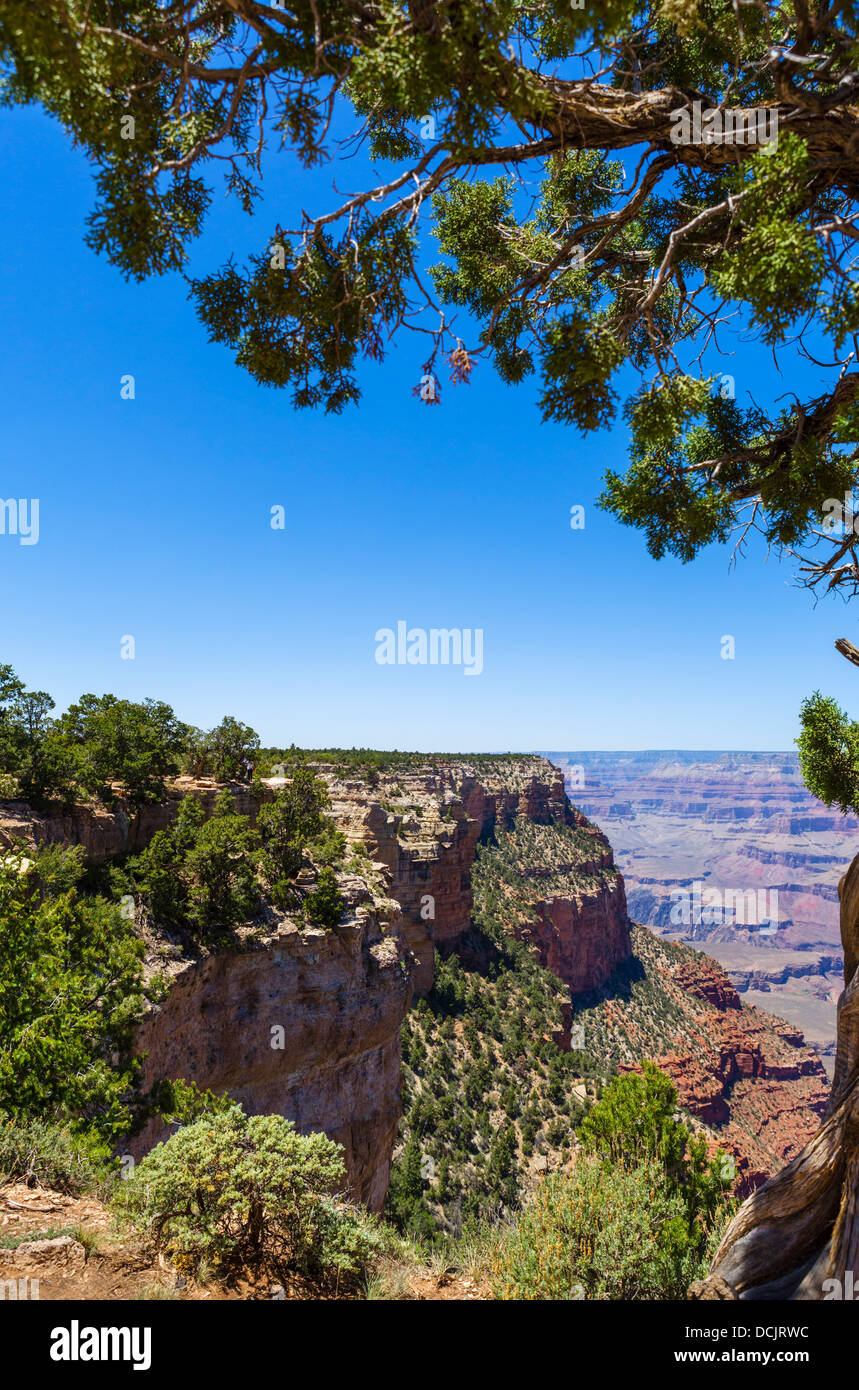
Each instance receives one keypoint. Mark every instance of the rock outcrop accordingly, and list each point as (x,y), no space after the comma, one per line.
(581,939)
(744,1074)
(105,832)
(304,1023)
(424,825)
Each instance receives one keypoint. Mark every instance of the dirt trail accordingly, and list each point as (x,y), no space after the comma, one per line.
(74,1249)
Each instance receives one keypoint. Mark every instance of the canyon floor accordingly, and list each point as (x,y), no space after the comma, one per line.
(735,823)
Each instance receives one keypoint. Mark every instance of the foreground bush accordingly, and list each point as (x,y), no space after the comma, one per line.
(602,1231)
(233,1190)
(635,1121)
(53,1155)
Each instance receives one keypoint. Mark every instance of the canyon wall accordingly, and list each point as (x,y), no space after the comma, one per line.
(580,934)
(424,827)
(731,823)
(106,832)
(307,1023)
(303,1023)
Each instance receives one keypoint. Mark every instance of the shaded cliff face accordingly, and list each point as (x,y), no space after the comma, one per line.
(303,1023)
(557,889)
(745,1075)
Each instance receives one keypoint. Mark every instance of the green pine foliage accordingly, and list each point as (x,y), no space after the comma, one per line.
(323,907)
(829,753)
(103,748)
(287,825)
(611,283)
(55,1154)
(639,1215)
(71,992)
(601,1231)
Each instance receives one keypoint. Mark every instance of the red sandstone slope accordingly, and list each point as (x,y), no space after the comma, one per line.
(744,1074)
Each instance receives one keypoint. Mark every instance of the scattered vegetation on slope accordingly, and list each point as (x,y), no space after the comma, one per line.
(493,1099)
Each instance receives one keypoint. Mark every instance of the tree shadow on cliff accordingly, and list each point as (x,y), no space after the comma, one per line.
(619,985)
(478,952)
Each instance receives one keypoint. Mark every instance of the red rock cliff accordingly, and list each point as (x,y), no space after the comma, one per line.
(746,1075)
(424,827)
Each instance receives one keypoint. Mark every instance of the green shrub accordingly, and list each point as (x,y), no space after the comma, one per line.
(185,1102)
(602,1231)
(221,869)
(59,870)
(324,906)
(113,740)
(53,1154)
(222,751)
(288,823)
(200,872)
(405,1203)
(829,753)
(233,1190)
(634,1120)
(330,846)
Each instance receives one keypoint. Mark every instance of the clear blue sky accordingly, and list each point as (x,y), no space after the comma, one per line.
(155,522)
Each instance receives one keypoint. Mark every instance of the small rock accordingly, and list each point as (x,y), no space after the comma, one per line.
(46,1247)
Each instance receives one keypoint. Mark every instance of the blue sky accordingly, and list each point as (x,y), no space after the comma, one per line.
(155,523)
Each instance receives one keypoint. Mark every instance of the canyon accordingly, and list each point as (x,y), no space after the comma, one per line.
(747,1077)
(733,823)
(308,1022)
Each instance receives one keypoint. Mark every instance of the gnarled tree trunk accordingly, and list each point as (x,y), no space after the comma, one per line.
(802,1227)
